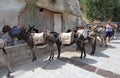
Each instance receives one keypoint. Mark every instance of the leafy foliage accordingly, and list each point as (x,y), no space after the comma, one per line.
(31,5)
(101,10)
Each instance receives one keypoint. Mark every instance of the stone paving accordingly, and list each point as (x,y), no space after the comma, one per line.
(106,59)
(71,66)
(43,68)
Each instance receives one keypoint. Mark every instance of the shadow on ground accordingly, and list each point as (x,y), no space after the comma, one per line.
(27,66)
(87,60)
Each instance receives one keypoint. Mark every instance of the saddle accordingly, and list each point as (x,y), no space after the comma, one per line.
(101,30)
(1,43)
(66,38)
(79,32)
(38,38)
(83,32)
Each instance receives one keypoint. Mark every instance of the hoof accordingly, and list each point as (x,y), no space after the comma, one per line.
(77,49)
(8,75)
(58,57)
(9,72)
(105,45)
(49,59)
(92,54)
(34,59)
(84,56)
(52,58)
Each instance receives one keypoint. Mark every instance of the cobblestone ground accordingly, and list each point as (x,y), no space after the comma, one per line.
(104,64)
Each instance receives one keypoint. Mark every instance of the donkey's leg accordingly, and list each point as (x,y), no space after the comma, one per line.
(8,69)
(93,45)
(33,54)
(79,45)
(99,38)
(84,49)
(102,41)
(53,51)
(81,52)
(6,63)
(59,50)
(50,53)
(12,41)
(105,42)
(51,48)
(77,48)
(4,51)
(103,38)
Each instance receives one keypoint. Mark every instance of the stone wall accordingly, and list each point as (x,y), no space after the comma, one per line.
(9,11)
(70,9)
(41,20)
(22,52)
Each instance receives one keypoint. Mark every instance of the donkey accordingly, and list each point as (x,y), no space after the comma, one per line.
(33,29)
(3,59)
(74,39)
(87,37)
(79,40)
(37,39)
(100,33)
(59,42)
(12,31)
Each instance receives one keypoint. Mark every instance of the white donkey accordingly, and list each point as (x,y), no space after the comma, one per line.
(3,59)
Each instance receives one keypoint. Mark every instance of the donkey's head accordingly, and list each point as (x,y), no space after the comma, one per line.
(33,29)
(6,28)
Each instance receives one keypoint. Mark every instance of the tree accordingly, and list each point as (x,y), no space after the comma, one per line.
(101,10)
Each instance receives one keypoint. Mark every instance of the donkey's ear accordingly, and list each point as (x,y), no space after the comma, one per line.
(29,25)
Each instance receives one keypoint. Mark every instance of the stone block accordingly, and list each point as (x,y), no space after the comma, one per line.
(22,52)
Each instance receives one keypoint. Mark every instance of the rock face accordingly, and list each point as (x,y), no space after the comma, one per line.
(70,10)
(63,6)
(9,11)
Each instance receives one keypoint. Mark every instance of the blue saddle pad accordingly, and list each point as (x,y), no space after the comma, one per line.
(15,30)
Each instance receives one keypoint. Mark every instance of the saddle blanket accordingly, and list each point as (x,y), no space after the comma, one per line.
(66,38)
(83,32)
(15,30)
(38,38)
(101,30)
(79,32)
(2,43)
